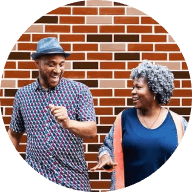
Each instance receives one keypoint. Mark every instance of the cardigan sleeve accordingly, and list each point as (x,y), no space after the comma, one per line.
(107,147)
(184,121)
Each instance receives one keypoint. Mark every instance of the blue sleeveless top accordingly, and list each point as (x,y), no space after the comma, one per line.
(145,150)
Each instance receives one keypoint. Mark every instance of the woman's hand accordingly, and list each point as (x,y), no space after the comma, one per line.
(106,162)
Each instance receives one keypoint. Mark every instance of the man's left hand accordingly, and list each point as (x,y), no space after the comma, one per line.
(61,115)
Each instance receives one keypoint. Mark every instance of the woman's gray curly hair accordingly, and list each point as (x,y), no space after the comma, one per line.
(159,79)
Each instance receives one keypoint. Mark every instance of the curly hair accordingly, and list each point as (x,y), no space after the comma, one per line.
(159,79)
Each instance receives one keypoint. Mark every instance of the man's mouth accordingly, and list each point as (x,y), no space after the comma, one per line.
(55,78)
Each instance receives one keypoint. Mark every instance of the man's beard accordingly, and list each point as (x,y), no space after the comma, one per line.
(45,79)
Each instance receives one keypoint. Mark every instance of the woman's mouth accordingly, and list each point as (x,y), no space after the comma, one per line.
(135,99)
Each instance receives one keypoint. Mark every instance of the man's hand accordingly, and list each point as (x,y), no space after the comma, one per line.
(61,115)
(106,162)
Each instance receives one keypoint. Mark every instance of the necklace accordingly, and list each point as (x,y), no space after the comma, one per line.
(154,121)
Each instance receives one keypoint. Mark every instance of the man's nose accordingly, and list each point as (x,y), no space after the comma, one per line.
(57,69)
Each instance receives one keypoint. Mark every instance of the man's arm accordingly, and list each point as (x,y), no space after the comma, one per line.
(82,129)
(15,137)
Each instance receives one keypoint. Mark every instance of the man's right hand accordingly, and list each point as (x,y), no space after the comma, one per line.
(106,162)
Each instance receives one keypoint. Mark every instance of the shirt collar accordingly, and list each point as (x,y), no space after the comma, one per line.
(37,85)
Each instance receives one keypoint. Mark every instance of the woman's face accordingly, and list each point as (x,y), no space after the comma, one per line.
(141,95)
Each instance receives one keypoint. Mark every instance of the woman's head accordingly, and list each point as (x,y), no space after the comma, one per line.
(158,78)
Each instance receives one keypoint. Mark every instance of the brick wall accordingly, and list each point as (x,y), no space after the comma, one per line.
(106,39)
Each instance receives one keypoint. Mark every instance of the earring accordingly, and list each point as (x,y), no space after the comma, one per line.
(154,97)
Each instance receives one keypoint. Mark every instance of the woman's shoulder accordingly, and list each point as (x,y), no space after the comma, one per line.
(129,111)
(176,117)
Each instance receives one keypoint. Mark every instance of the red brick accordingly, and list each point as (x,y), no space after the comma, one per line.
(140,47)
(176,56)
(174,102)
(74,74)
(182,93)
(139,29)
(166,47)
(8,111)
(104,111)
(107,120)
(23,139)
(100,184)
(148,20)
(24,37)
(57,28)
(85,11)
(122,74)
(37,37)
(154,56)
(72,38)
(132,65)
(1,93)
(186,84)
(22,83)
(61,11)
(76,56)
(153,38)
(27,65)
(95,101)
(27,46)
(84,29)
(72,20)
(102,137)
(91,140)
(112,11)
(10,65)
(160,29)
(112,102)
(99,56)
(91,156)
(123,92)
(7,120)
(91,165)
(126,20)
(17,74)
(186,102)
(130,83)
(184,66)
(101,92)
(99,74)
(177,83)
(66,47)
(21,148)
(85,47)
(112,29)
(6,102)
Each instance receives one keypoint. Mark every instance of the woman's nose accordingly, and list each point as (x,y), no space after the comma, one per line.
(133,92)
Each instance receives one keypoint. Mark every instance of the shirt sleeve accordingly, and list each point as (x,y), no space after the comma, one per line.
(17,123)
(86,111)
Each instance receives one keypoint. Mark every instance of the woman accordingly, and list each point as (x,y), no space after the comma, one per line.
(144,137)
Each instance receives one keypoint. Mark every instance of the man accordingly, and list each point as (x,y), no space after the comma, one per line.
(56,114)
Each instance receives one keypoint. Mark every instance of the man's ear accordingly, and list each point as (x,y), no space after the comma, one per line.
(37,62)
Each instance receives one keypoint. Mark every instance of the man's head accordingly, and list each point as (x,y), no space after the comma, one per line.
(50,59)
(51,69)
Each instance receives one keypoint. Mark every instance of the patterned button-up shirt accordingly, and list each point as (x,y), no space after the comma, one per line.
(53,151)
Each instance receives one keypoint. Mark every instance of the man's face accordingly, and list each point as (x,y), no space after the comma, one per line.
(51,69)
